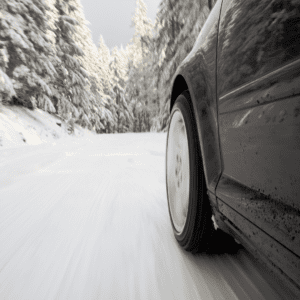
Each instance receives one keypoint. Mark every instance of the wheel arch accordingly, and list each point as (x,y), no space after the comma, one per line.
(179,87)
(204,109)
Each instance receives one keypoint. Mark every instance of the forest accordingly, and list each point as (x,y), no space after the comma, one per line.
(49,61)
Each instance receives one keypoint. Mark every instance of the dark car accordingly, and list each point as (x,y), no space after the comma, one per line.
(233,143)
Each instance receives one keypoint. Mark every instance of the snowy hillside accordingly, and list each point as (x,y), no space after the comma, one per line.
(20,126)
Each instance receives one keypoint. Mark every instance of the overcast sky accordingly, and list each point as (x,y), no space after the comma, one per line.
(112,19)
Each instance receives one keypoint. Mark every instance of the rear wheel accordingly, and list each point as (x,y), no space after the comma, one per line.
(189,207)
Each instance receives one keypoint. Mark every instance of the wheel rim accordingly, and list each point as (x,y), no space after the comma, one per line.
(178,171)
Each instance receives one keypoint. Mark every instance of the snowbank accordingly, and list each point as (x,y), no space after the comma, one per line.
(20,126)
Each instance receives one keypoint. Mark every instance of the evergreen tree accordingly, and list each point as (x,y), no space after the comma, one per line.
(28,66)
(104,72)
(107,74)
(142,27)
(52,16)
(110,113)
(91,62)
(118,67)
(71,97)
(178,25)
(6,86)
(140,76)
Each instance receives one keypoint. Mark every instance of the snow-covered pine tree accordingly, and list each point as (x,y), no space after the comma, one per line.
(71,98)
(134,86)
(105,58)
(155,74)
(6,86)
(155,58)
(140,76)
(179,23)
(22,34)
(110,113)
(143,28)
(169,28)
(92,64)
(118,67)
(106,76)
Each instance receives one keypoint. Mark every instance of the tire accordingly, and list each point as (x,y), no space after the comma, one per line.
(188,202)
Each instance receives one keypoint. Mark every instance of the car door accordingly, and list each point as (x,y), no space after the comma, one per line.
(258,87)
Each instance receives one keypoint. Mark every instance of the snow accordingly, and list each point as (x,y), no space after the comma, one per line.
(86,217)
(20,127)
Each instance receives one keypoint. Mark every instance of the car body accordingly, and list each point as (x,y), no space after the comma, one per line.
(243,77)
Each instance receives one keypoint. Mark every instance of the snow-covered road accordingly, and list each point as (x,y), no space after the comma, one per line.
(89,220)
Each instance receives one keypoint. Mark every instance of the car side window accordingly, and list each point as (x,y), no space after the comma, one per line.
(255,38)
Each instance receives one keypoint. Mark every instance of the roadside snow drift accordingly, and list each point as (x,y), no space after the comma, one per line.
(20,126)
